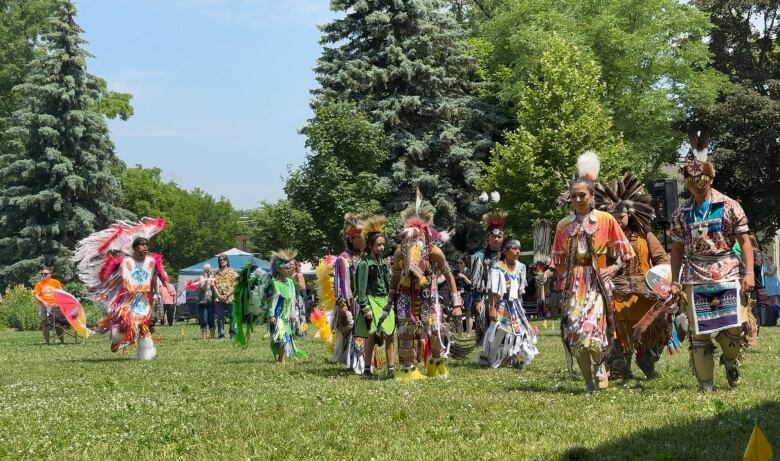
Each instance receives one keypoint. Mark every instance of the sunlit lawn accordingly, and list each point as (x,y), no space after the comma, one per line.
(211,400)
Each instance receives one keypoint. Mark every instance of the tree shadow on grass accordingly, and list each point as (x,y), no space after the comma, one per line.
(720,437)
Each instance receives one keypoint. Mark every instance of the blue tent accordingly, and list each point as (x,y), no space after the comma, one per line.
(238,260)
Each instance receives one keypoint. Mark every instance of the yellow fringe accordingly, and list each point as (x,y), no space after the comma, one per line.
(326,290)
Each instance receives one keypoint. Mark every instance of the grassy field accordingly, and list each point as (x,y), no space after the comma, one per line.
(211,400)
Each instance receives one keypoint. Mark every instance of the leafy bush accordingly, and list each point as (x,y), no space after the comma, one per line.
(19,309)
(76,288)
(93,312)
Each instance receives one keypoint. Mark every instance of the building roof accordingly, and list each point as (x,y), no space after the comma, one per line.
(238,259)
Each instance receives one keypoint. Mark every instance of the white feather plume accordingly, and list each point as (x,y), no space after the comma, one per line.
(701,154)
(495,196)
(588,165)
(483,197)
(446,236)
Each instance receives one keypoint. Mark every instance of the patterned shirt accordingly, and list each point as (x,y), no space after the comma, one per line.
(708,233)
(225,281)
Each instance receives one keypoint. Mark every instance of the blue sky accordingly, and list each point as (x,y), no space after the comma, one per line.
(220,87)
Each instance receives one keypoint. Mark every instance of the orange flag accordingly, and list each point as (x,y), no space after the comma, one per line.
(758,448)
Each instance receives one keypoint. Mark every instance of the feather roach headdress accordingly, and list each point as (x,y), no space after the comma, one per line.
(626,195)
(280,258)
(494,221)
(588,167)
(352,224)
(418,222)
(697,163)
(373,225)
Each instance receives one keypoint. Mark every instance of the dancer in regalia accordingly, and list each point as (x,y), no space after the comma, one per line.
(627,201)
(414,295)
(579,259)
(278,305)
(707,274)
(509,339)
(348,348)
(120,274)
(482,261)
(373,283)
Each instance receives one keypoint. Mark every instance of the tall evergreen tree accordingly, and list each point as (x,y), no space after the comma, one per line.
(57,183)
(406,64)
(21,23)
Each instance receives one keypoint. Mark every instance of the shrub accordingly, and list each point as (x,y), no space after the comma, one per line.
(19,309)
(76,288)
(93,312)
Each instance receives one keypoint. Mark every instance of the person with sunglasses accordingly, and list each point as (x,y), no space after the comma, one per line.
(709,279)
(579,259)
(44,293)
(225,284)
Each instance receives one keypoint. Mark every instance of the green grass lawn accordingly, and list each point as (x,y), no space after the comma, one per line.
(211,400)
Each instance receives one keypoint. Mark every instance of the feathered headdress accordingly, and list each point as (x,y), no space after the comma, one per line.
(373,225)
(94,254)
(588,166)
(626,195)
(352,223)
(494,221)
(280,258)
(697,163)
(418,222)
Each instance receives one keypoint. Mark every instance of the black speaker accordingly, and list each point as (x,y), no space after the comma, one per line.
(664,194)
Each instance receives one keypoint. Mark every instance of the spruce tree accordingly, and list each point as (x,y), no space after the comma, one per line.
(407,66)
(56,165)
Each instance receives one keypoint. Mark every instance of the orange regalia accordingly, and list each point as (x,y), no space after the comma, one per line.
(627,201)
(122,284)
(579,252)
(578,257)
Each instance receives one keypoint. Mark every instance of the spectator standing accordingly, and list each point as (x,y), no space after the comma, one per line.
(158,311)
(206,298)
(225,284)
(169,302)
(44,293)
(772,282)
